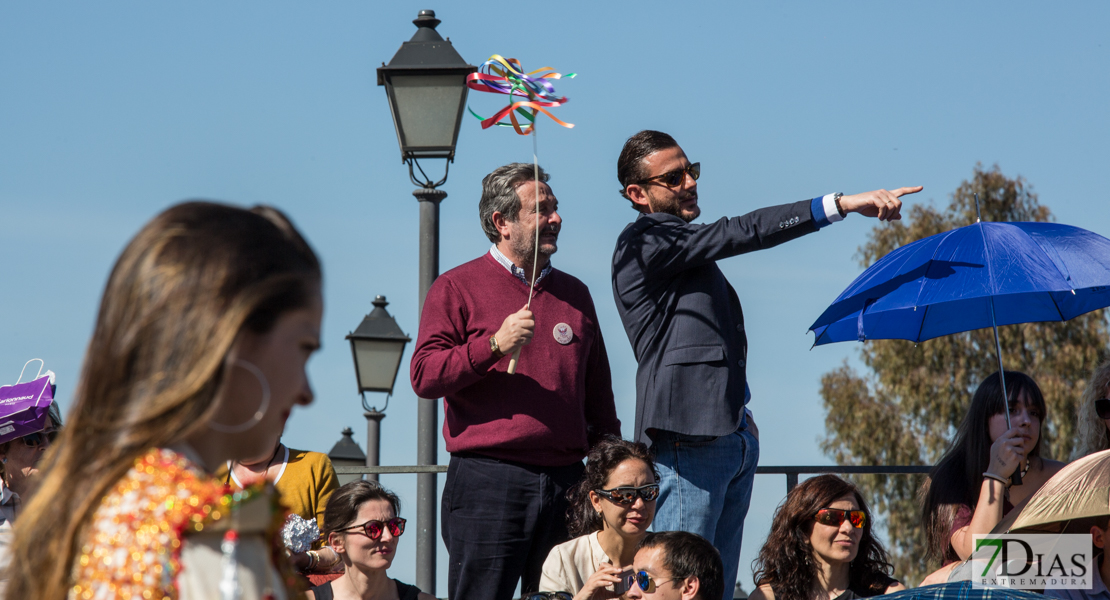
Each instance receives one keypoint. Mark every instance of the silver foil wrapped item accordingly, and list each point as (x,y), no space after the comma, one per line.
(299,534)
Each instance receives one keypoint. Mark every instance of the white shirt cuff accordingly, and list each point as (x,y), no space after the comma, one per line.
(829,205)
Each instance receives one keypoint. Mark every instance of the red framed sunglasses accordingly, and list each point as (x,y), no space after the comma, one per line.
(833,517)
(373,529)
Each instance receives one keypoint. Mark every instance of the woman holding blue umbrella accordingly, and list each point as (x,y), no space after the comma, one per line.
(969,490)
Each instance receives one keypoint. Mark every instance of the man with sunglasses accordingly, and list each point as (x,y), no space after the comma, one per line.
(516,440)
(676,565)
(686,327)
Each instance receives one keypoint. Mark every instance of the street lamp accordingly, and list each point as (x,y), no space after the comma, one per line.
(425,84)
(346,453)
(376,347)
(426,87)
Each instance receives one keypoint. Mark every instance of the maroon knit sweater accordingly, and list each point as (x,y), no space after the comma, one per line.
(561,397)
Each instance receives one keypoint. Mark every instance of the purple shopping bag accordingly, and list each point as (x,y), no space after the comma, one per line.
(23,408)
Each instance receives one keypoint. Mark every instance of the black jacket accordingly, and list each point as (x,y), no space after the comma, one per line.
(683,317)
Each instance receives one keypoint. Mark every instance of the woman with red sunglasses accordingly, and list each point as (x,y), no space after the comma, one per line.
(610,511)
(361,525)
(1093,428)
(821,547)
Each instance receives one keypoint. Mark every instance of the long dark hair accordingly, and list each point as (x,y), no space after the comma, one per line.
(786,560)
(957,478)
(607,455)
(181,292)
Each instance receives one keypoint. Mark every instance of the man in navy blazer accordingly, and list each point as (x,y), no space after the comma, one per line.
(686,327)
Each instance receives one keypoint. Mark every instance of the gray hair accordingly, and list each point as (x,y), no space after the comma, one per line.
(499,194)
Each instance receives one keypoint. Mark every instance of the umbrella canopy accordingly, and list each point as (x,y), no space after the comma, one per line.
(962,590)
(946,283)
(1078,491)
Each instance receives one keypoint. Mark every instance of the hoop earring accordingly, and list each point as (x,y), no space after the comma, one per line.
(257,418)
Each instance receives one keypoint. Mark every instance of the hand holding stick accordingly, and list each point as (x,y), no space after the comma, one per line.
(517,329)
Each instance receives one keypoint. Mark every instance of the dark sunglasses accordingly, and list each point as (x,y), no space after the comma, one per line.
(835,516)
(1102,407)
(547,596)
(626,496)
(673,179)
(645,581)
(374,529)
(34,440)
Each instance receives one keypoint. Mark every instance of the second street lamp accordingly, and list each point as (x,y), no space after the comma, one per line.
(376,347)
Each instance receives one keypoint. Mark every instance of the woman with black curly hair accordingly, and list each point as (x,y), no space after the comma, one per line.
(821,547)
(610,512)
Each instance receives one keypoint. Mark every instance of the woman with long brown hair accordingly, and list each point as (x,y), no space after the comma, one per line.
(821,547)
(197,357)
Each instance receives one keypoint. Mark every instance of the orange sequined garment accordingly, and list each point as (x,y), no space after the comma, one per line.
(133,544)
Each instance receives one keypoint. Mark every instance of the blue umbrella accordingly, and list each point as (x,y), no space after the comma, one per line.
(982,275)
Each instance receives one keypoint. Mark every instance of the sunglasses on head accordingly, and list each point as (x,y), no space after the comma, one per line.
(626,496)
(835,516)
(1102,407)
(373,529)
(547,596)
(34,440)
(675,178)
(645,581)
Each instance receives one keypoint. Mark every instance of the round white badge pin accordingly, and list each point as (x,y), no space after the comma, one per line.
(563,333)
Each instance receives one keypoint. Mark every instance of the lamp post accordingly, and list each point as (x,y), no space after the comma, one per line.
(346,453)
(425,84)
(376,347)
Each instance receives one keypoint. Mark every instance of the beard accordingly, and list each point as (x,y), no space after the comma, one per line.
(525,245)
(673,205)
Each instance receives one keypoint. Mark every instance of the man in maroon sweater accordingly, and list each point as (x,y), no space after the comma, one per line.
(516,441)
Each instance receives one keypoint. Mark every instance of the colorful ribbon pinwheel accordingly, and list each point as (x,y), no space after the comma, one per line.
(500,75)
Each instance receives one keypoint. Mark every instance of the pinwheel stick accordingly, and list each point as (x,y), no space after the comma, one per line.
(536,255)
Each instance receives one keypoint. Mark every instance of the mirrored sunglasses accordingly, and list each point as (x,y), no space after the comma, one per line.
(835,516)
(1102,407)
(675,178)
(645,581)
(374,529)
(626,496)
(34,440)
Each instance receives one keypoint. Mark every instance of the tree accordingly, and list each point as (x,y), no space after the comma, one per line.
(907,407)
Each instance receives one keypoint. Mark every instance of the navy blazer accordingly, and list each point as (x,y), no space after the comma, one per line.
(683,317)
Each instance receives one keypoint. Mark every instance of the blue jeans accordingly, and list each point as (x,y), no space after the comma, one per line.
(705,488)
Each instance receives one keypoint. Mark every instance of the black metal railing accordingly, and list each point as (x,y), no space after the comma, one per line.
(791,472)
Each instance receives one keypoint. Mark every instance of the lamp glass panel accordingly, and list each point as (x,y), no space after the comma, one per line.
(427,107)
(377,363)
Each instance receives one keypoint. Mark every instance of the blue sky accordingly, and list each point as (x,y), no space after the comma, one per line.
(110,112)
